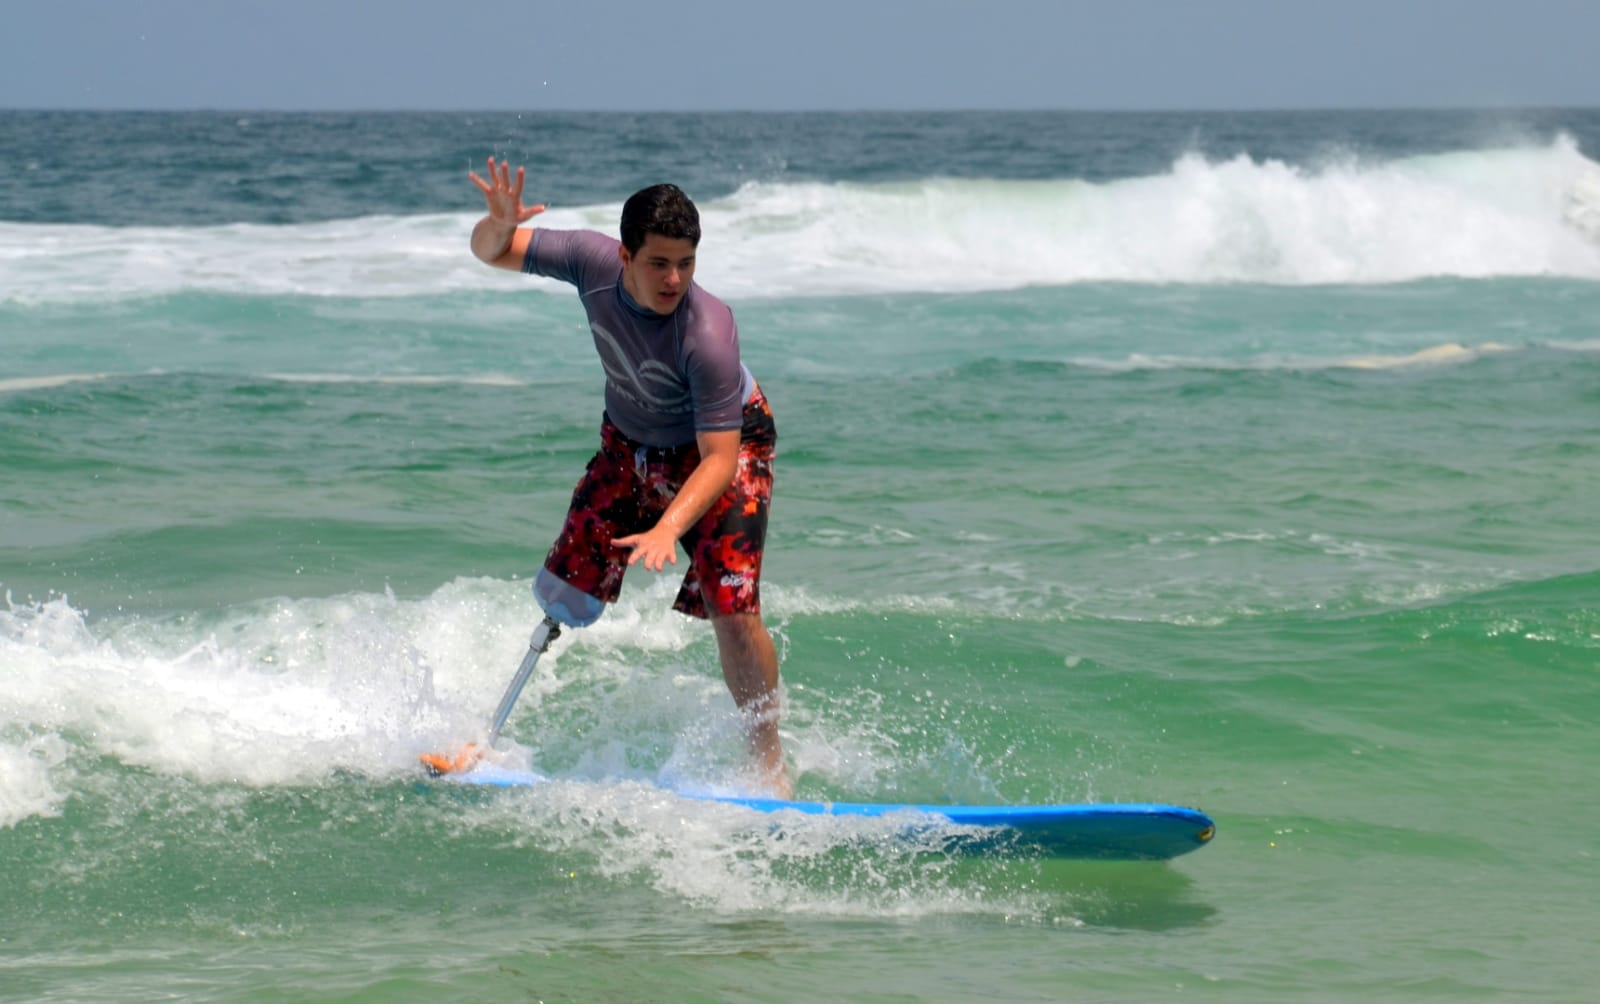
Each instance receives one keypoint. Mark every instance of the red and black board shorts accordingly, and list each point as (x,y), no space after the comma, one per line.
(626,488)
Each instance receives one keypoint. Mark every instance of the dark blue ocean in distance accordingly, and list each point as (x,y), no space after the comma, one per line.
(1240,461)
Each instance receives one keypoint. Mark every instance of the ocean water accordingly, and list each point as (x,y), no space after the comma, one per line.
(1245,461)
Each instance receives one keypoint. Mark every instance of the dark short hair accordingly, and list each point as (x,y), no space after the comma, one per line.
(659,209)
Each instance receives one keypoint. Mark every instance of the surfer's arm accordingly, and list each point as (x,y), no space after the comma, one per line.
(494,244)
(499,239)
(719,462)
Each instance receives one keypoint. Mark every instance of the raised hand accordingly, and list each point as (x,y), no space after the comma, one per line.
(503,193)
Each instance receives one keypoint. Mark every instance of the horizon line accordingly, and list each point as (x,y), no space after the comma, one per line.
(972,110)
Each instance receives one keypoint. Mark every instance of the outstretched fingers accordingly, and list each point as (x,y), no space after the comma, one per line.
(499,178)
(503,192)
(524,213)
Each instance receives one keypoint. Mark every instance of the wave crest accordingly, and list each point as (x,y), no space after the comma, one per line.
(1518,211)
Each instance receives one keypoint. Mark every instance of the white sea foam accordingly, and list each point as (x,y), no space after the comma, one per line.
(288,691)
(27,783)
(1436,355)
(22,384)
(278,692)
(719,858)
(47,382)
(412,380)
(1444,354)
(1525,211)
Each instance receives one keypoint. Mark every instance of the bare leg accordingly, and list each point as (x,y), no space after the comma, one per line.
(750,667)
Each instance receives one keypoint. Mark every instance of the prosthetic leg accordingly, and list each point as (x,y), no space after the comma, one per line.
(563,606)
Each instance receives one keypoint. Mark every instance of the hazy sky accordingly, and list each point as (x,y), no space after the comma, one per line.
(697,55)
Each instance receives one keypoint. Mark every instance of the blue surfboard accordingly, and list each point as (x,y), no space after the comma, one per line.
(1098,830)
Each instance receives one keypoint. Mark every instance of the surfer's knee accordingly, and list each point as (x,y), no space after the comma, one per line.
(744,636)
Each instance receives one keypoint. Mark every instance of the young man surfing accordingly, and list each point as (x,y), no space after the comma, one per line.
(686,441)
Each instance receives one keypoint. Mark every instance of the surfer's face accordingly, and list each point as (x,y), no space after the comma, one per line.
(659,273)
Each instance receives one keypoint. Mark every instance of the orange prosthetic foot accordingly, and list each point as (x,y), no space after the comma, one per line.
(439,764)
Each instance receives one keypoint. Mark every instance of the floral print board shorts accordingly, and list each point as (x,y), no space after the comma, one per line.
(626,488)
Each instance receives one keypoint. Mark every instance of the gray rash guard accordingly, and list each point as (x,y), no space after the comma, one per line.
(668,376)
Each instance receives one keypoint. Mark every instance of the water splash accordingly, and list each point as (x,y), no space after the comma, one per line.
(1515,211)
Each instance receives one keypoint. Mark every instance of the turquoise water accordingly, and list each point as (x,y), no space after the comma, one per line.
(1243,462)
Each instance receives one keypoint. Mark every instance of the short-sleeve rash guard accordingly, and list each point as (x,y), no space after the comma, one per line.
(668,376)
